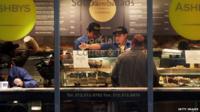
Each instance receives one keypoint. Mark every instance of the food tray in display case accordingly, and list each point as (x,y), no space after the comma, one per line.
(179,77)
(87,79)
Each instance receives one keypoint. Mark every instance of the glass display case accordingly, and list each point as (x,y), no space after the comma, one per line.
(97,74)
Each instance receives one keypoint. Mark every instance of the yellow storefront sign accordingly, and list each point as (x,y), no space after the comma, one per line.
(184,16)
(17,19)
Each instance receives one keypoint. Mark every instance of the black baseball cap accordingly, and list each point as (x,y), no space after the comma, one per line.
(94,27)
(120,30)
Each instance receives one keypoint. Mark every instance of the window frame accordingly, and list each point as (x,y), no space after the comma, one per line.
(57,40)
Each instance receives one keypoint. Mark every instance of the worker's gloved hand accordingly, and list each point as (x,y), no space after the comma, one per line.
(18,82)
(84,46)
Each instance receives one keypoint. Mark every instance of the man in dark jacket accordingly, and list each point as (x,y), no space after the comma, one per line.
(131,71)
(131,67)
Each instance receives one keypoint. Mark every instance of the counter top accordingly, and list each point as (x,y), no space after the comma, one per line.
(177,89)
(178,70)
(137,89)
(110,89)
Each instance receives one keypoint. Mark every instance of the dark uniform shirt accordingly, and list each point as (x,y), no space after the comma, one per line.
(131,69)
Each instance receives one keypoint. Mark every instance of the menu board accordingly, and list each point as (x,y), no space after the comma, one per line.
(75,17)
(160,16)
(136,17)
(69,18)
(45,18)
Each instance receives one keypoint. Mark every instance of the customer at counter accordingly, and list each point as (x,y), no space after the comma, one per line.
(121,41)
(93,33)
(16,76)
(131,67)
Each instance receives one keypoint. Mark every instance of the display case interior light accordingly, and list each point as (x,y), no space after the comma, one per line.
(36,108)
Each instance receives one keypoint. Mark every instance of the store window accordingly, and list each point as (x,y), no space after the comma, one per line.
(103,46)
(93,41)
(96,55)
(176,44)
(26,55)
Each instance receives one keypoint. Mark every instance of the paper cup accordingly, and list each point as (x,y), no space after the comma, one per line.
(3,84)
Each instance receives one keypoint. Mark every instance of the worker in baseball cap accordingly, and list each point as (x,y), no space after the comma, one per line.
(93,33)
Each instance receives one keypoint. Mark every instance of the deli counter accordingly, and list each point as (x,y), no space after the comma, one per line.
(93,82)
(94,72)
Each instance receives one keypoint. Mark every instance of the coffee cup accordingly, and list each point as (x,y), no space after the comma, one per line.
(3,84)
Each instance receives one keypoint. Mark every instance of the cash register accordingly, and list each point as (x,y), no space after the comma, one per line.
(172,58)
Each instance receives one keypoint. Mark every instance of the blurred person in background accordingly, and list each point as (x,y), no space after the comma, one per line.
(16,76)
